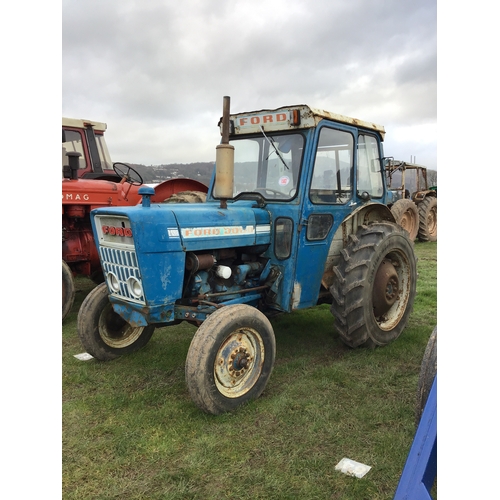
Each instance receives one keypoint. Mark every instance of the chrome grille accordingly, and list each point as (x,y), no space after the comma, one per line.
(123,264)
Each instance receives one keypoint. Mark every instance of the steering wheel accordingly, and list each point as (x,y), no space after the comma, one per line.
(278,194)
(130,175)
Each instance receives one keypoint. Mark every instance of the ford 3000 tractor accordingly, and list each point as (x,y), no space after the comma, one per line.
(296,214)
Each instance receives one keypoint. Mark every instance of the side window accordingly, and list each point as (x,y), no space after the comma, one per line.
(332,174)
(102,148)
(369,171)
(73,142)
(283,231)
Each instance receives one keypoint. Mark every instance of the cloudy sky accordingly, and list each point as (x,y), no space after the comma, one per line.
(156,71)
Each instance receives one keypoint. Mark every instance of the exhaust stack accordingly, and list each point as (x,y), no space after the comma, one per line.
(224,160)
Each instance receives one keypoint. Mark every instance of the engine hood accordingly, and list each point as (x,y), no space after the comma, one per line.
(191,227)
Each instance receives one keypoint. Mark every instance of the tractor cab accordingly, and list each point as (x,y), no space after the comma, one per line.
(84,139)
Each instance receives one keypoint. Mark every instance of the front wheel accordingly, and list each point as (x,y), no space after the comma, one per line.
(374,286)
(427,211)
(230,358)
(68,289)
(104,334)
(406,215)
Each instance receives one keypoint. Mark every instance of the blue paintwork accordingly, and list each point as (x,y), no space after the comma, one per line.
(421,465)
(161,253)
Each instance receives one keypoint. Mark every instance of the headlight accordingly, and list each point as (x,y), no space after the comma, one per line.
(113,283)
(135,287)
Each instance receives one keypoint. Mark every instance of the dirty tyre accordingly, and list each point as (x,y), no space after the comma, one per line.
(374,287)
(103,333)
(68,289)
(187,197)
(406,215)
(427,211)
(428,371)
(230,359)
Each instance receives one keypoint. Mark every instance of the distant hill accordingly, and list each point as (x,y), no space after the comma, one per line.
(201,171)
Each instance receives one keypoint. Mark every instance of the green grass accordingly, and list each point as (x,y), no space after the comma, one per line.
(131,431)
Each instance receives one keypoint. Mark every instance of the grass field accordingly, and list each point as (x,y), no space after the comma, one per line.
(130,430)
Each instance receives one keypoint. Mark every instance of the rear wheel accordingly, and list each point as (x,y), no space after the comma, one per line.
(406,215)
(104,334)
(427,210)
(428,371)
(374,286)
(230,358)
(68,289)
(187,197)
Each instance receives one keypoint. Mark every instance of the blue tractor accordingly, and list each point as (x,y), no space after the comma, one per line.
(296,215)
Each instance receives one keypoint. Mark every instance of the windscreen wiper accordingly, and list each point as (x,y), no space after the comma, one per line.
(274,147)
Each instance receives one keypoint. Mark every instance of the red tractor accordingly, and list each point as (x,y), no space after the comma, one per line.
(91,180)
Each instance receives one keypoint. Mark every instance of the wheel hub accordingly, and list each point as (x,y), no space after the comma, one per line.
(386,288)
(239,361)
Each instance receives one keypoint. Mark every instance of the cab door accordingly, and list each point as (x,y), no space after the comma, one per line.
(328,199)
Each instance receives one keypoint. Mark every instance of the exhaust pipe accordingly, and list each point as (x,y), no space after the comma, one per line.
(224,160)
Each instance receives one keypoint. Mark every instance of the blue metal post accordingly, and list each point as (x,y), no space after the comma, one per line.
(421,465)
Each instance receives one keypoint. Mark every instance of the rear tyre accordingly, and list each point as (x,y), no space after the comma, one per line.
(374,286)
(104,334)
(428,371)
(406,215)
(187,197)
(427,211)
(230,358)
(68,289)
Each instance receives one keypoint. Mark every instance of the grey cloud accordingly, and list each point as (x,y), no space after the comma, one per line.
(165,64)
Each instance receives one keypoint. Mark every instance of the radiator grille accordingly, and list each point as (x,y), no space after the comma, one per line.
(122,264)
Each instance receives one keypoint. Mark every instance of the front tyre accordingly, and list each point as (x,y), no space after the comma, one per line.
(375,285)
(230,358)
(406,215)
(428,227)
(68,289)
(104,334)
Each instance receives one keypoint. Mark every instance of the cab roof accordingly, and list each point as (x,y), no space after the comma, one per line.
(293,117)
(80,123)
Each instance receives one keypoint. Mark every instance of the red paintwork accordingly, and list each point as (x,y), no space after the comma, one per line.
(80,196)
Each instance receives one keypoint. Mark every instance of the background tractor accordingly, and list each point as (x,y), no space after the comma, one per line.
(296,214)
(90,181)
(415,205)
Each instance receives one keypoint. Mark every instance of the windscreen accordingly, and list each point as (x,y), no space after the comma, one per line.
(268,164)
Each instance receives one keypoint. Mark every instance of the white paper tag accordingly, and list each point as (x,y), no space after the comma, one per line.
(352,468)
(84,356)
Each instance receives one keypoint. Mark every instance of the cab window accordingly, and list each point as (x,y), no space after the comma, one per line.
(369,171)
(73,142)
(332,174)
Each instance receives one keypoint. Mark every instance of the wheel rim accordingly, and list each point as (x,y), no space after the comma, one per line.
(432,221)
(408,222)
(238,363)
(391,290)
(115,331)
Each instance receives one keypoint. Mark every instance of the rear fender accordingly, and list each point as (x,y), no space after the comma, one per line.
(363,215)
(169,187)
